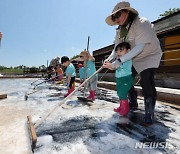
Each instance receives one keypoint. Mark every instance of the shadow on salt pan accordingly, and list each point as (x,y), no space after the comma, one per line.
(80,127)
(73,103)
(55,96)
(54,99)
(132,127)
(106,134)
(13,94)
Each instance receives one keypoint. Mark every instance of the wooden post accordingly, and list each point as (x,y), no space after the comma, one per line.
(32,133)
(2,96)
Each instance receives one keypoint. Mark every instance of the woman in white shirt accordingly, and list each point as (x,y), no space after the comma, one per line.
(145,53)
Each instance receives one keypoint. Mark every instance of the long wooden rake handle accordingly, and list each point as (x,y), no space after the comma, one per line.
(34,91)
(35,81)
(47,80)
(64,100)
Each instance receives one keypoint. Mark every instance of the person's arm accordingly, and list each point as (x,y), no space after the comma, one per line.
(133,53)
(61,71)
(108,65)
(90,56)
(68,80)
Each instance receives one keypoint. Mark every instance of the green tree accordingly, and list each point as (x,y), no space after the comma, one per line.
(2,67)
(169,12)
(74,57)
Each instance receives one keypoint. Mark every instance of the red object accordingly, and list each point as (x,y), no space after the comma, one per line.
(69,91)
(92,95)
(117,109)
(80,65)
(123,109)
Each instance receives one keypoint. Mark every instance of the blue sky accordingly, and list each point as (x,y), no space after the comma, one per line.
(35,31)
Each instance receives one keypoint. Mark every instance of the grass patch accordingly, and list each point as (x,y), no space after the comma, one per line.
(16,71)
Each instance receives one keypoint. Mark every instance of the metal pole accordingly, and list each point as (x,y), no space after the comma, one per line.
(88,43)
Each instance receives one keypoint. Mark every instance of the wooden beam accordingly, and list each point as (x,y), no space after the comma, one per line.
(32,133)
(2,96)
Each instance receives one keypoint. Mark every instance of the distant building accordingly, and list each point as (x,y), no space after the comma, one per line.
(168,32)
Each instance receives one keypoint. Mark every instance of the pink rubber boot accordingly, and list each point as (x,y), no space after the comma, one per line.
(124,107)
(118,108)
(92,95)
(70,90)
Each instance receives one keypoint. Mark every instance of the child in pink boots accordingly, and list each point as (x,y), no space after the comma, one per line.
(124,79)
(70,74)
(90,69)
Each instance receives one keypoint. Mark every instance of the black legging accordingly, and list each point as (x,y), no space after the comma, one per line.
(147,83)
(71,82)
